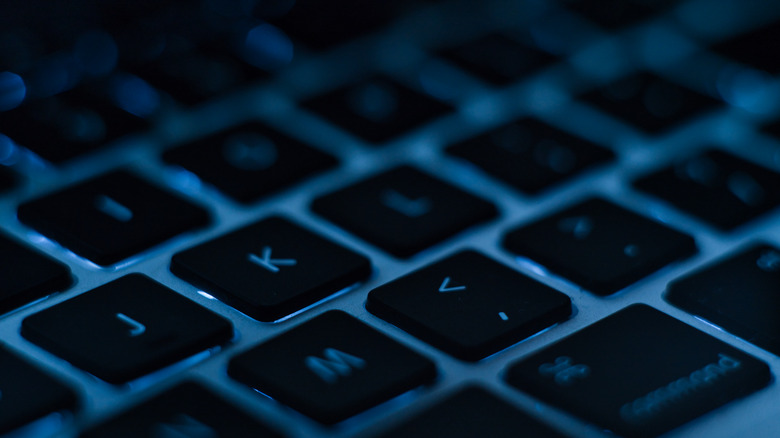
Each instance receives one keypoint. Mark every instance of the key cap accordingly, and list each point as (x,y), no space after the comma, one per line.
(250,161)
(656,374)
(599,245)
(271,268)
(8,179)
(322,26)
(135,326)
(377,109)
(616,14)
(717,187)
(111,217)
(187,410)
(70,124)
(530,155)
(772,129)
(497,58)
(331,367)
(192,75)
(472,412)
(649,102)
(403,210)
(27,275)
(754,48)
(469,305)
(738,293)
(27,393)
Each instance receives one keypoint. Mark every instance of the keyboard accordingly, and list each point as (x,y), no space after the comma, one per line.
(552,218)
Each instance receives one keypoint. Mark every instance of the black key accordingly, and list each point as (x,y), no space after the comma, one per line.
(332,367)
(27,275)
(615,14)
(250,161)
(8,179)
(70,124)
(193,75)
(271,268)
(377,109)
(717,187)
(738,293)
(111,217)
(321,25)
(472,412)
(756,48)
(134,326)
(599,245)
(649,102)
(772,128)
(469,305)
(403,211)
(186,410)
(28,393)
(639,373)
(531,155)
(497,58)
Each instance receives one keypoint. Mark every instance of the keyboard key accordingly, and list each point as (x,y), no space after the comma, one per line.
(472,412)
(755,48)
(497,58)
(649,102)
(135,326)
(70,124)
(250,161)
(271,268)
(111,217)
(599,245)
(403,210)
(27,275)
(772,128)
(639,373)
(193,75)
(322,26)
(615,14)
(531,155)
(187,410)
(332,367)
(377,109)
(28,393)
(738,293)
(717,187)
(469,305)
(8,179)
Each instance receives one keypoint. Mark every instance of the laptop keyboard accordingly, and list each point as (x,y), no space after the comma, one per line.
(348,219)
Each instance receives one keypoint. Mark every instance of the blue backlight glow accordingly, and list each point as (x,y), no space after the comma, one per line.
(746,89)
(9,152)
(267,47)
(12,90)
(134,95)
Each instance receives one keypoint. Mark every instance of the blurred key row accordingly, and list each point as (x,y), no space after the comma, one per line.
(60,112)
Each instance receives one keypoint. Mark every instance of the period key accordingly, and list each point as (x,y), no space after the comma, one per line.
(639,373)
(469,305)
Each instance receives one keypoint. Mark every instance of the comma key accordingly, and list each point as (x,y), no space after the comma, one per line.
(657,374)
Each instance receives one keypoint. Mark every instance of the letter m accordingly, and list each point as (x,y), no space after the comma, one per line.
(334,365)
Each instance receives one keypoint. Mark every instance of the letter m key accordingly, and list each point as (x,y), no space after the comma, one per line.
(334,364)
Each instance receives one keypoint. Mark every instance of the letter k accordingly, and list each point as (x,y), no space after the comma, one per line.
(268,263)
